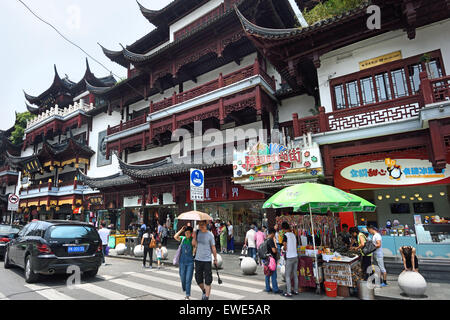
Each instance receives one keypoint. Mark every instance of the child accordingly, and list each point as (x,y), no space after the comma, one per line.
(159,255)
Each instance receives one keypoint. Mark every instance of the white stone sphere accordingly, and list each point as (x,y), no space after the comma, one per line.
(120,248)
(248,266)
(112,252)
(164,253)
(219,261)
(412,283)
(283,272)
(138,251)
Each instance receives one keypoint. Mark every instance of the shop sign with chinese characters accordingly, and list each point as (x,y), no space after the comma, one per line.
(273,162)
(394,172)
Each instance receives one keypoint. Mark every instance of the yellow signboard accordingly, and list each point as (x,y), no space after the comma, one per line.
(393,56)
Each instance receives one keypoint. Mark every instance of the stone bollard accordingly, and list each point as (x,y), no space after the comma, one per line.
(248,266)
(412,283)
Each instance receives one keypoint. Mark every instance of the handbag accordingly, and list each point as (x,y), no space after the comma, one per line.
(152,243)
(272,264)
(176,258)
(368,248)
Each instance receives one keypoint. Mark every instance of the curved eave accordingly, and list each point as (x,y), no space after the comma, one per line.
(96,90)
(32,109)
(150,15)
(296,33)
(115,56)
(30,98)
(18,161)
(117,179)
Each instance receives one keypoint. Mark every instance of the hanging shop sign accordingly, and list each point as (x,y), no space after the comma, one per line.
(386,58)
(390,172)
(274,162)
(96,200)
(233,193)
(135,201)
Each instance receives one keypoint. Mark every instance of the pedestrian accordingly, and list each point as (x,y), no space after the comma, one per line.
(277,238)
(159,254)
(378,257)
(163,235)
(273,252)
(205,247)
(410,261)
(366,260)
(217,226)
(230,245)
(104,236)
(149,243)
(250,242)
(343,238)
(264,230)
(186,261)
(260,236)
(290,247)
(223,238)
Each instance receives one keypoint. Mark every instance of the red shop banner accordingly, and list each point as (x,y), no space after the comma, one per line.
(388,172)
(235,193)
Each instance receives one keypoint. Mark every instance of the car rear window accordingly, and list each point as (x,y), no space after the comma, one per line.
(73,232)
(8,230)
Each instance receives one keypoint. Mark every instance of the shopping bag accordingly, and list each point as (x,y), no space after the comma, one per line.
(272,264)
(176,258)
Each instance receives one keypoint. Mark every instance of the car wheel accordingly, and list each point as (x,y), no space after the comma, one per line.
(91,273)
(7,264)
(30,276)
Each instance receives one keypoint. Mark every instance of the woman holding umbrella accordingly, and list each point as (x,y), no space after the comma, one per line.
(186,259)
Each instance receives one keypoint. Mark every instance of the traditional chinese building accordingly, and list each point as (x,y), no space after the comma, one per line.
(383,95)
(8,176)
(56,145)
(196,65)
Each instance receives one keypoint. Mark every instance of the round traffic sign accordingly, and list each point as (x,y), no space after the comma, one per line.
(13,198)
(197,178)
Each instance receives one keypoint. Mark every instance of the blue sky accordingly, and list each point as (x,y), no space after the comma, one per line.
(30,48)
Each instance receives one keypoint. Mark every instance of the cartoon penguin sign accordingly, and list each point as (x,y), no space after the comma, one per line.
(395,171)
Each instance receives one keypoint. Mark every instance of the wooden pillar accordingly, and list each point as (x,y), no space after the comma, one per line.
(271,217)
(258,100)
(426,88)
(295,125)
(222,115)
(438,148)
(221,84)
(323,123)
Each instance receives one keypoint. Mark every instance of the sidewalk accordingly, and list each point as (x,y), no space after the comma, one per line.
(230,261)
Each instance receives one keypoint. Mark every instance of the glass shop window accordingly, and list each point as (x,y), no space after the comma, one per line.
(340,96)
(414,71)
(383,86)
(368,92)
(399,83)
(352,94)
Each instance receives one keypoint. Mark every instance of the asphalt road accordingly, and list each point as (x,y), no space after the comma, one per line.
(128,280)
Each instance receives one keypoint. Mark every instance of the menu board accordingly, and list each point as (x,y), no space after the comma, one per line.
(342,273)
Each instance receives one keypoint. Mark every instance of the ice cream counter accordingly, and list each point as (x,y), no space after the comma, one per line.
(432,241)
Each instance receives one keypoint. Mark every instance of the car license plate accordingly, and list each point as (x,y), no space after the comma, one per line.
(75,249)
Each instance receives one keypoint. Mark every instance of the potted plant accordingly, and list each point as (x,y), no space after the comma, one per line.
(426,59)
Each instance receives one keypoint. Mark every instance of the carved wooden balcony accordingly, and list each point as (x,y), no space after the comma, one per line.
(431,91)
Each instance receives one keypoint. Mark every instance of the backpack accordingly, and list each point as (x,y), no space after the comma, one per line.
(262,250)
(368,248)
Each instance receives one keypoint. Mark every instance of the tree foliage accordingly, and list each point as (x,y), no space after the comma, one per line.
(20,126)
(329,9)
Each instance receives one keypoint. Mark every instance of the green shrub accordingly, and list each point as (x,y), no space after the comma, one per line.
(20,126)
(328,9)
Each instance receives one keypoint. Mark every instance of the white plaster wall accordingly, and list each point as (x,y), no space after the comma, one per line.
(214,74)
(207,7)
(346,60)
(300,105)
(10,189)
(99,124)
(166,151)
(271,71)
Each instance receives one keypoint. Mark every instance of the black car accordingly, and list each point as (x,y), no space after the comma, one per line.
(7,233)
(50,247)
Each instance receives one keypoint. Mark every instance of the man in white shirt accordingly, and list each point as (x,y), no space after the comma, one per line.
(290,247)
(230,245)
(104,236)
(378,254)
(250,242)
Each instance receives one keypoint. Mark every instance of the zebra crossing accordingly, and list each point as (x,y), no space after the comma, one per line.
(158,283)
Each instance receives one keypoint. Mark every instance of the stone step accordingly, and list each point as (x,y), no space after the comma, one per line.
(433,271)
